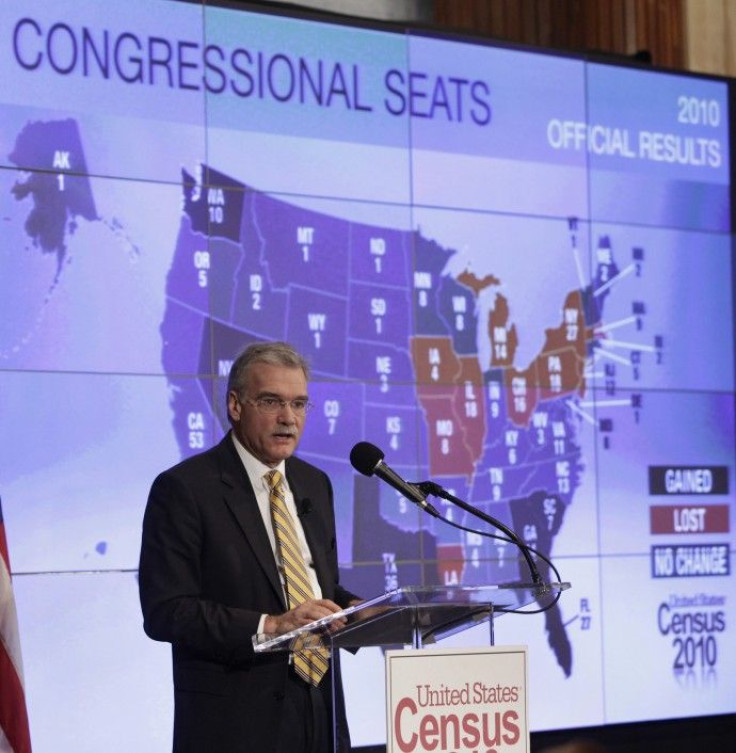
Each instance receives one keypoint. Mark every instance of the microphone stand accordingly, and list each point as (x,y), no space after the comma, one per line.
(429,487)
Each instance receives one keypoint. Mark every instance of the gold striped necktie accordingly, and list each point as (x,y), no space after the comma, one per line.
(311,664)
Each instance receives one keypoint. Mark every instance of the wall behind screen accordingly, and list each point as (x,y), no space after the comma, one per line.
(511,271)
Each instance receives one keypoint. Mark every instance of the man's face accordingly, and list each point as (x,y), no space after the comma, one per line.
(271,437)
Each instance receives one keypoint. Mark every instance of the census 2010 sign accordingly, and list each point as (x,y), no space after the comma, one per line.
(457,700)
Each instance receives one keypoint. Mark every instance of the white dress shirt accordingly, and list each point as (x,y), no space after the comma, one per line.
(257,471)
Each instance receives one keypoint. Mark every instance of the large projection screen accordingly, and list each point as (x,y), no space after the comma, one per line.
(511,271)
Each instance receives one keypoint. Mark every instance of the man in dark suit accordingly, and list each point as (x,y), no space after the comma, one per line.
(212,574)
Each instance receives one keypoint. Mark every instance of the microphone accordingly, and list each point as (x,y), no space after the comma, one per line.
(367,459)
(304,507)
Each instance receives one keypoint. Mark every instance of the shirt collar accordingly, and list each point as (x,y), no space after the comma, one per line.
(255,469)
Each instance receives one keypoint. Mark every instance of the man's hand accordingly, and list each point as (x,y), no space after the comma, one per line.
(308,611)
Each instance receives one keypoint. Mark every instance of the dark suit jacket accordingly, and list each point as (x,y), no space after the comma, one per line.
(207,574)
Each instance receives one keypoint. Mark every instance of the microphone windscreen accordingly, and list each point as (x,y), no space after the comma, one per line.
(364,457)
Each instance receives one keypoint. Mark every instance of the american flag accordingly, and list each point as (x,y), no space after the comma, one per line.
(15,736)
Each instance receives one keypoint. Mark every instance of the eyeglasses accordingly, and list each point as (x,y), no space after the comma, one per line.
(269,405)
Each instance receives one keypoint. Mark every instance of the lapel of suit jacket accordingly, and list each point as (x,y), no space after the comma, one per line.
(241,500)
(312,530)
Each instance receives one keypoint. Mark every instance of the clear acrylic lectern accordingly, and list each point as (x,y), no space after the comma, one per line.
(414,616)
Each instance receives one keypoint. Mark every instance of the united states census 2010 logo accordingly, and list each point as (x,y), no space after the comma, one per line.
(695,625)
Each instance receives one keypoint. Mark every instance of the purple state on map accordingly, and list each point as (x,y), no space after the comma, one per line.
(431,259)
(61,192)
(301,247)
(335,421)
(381,365)
(215,208)
(195,424)
(457,308)
(540,515)
(318,322)
(394,427)
(183,331)
(380,256)
(254,303)
(379,314)
(188,279)
(594,295)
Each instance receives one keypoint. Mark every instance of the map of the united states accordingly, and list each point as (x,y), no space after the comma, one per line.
(393,343)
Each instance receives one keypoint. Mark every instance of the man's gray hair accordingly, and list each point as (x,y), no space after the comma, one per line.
(273,353)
